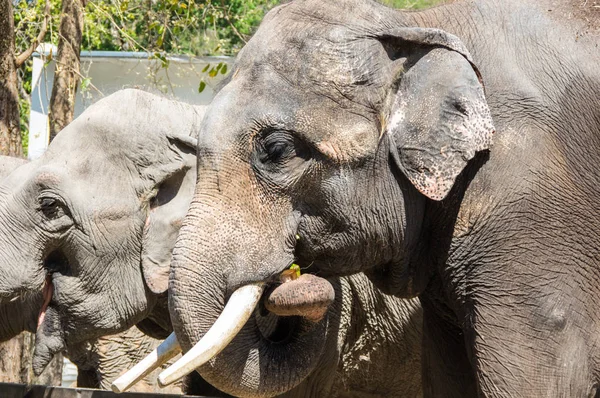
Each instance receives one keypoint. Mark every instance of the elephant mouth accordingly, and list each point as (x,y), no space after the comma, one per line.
(276,329)
(50,337)
(281,331)
(57,262)
(47,292)
(295,308)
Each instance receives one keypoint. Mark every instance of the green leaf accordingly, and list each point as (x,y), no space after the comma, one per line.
(206,68)
(224,69)
(213,72)
(202,86)
(163,59)
(85,83)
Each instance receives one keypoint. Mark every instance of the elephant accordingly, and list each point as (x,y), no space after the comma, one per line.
(448,153)
(120,178)
(105,358)
(92,222)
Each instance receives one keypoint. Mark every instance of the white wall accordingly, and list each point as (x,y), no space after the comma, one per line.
(110,71)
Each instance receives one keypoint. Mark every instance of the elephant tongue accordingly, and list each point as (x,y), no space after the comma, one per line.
(47,292)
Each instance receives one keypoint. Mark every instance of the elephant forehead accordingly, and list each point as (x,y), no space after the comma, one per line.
(47,178)
(321,41)
(343,66)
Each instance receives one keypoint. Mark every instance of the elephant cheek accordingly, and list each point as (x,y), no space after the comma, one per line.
(307,296)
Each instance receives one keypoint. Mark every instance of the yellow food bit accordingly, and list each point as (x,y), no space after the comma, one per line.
(296,267)
(290,274)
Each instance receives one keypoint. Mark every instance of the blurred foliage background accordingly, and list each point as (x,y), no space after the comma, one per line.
(158,27)
(172,26)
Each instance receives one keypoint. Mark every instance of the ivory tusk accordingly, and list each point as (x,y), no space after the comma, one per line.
(237,311)
(165,351)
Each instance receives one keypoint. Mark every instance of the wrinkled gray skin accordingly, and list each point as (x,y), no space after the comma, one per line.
(110,356)
(99,213)
(372,348)
(370,337)
(21,313)
(107,358)
(368,137)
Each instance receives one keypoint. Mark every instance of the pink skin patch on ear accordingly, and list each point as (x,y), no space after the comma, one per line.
(47,292)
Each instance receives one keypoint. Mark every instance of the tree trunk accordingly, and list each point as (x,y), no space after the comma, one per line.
(10,132)
(15,363)
(66,75)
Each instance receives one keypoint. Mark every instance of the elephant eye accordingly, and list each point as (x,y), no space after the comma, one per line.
(277,150)
(276,147)
(52,208)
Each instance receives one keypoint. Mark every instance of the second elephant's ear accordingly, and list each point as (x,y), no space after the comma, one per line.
(174,186)
(438,115)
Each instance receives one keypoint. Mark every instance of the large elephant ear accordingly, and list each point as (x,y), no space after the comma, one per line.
(438,115)
(174,186)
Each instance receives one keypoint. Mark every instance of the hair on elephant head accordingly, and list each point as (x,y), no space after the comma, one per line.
(348,124)
(94,220)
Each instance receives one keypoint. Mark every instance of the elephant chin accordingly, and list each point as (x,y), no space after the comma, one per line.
(269,356)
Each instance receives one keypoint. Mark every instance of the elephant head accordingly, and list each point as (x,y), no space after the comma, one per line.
(350,122)
(94,220)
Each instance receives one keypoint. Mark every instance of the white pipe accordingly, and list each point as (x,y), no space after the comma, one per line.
(165,351)
(238,310)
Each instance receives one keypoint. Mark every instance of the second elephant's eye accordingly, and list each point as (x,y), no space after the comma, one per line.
(52,208)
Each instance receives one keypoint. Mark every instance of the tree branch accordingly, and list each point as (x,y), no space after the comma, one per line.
(21,58)
(237,33)
(81,77)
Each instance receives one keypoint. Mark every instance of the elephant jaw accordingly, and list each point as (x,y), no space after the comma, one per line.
(49,340)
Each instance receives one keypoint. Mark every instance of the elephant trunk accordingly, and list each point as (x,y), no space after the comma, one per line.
(19,314)
(270,354)
(21,273)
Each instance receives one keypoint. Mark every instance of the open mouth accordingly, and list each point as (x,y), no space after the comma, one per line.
(47,292)
(276,329)
(57,262)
